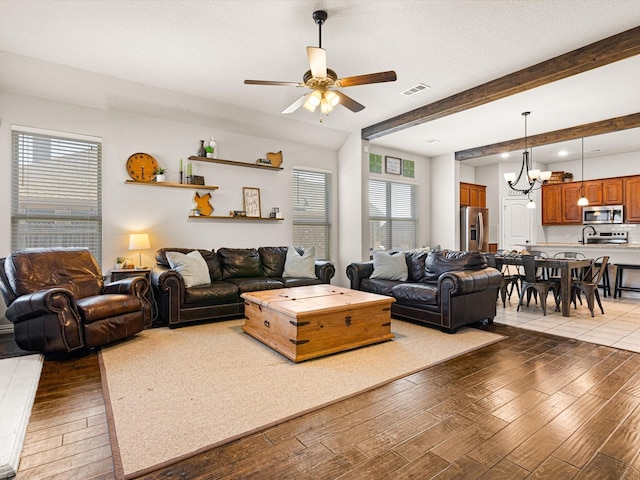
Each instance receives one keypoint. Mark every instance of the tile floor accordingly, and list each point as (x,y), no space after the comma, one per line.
(619,326)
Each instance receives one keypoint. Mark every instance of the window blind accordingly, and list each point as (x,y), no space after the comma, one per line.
(56,198)
(392,215)
(312,211)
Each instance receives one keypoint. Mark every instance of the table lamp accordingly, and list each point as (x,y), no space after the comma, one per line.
(139,241)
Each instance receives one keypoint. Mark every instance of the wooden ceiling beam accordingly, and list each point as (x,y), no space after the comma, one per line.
(598,54)
(587,130)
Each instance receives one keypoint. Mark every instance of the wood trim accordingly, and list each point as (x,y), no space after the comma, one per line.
(598,54)
(587,130)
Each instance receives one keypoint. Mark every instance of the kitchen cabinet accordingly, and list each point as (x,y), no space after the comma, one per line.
(593,191)
(571,212)
(613,191)
(552,204)
(632,199)
(473,195)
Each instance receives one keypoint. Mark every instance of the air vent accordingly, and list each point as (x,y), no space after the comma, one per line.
(417,89)
(432,140)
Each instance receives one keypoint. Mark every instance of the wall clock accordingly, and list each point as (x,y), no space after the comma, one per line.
(142,167)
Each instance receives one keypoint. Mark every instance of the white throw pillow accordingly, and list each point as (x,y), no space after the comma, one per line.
(192,267)
(389,267)
(300,266)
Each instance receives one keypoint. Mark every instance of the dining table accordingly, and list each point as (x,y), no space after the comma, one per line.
(565,265)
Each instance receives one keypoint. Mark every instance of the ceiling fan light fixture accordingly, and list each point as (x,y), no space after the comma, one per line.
(315,98)
(309,106)
(332,98)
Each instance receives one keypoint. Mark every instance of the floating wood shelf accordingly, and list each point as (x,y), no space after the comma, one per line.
(222,217)
(173,185)
(233,162)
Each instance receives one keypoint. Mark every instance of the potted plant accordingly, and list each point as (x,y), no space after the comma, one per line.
(120,262)
(160,174)
(209,149)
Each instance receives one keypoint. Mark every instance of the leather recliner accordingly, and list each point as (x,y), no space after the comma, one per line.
(58,302)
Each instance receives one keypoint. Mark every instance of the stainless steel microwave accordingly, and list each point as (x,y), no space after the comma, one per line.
(603,215)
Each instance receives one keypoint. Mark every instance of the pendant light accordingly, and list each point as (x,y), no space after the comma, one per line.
(534,177)
(583,201)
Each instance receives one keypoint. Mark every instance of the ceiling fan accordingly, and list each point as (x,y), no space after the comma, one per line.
(322,80)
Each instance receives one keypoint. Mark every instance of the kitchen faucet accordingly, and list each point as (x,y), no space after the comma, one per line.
(584,228)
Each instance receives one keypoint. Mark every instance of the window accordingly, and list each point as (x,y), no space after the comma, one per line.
(392,215)
(312,211)
(56,198)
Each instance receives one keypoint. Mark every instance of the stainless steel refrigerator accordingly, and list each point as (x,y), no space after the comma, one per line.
(474,229)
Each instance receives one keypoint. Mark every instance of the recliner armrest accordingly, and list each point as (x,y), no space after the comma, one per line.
(357,272)
(138,286)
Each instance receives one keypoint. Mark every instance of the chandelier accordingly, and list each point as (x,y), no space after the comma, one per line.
(533,178)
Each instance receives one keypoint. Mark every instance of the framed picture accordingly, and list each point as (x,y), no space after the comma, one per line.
(393,165)
(251,200)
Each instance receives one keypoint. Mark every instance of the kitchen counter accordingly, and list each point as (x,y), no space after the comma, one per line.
(599,246)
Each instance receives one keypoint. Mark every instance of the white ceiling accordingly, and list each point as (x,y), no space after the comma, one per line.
(207,48)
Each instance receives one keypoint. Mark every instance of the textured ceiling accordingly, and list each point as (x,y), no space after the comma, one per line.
(207,48)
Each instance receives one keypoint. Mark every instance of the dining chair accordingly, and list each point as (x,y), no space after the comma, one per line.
(544,272)
(508,279)
(532,284)
(575,273)
(588,283)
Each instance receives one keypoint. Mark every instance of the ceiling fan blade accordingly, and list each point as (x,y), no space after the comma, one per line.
(269,82)
(348,102)
(317,61)
(389,76)
(296,105)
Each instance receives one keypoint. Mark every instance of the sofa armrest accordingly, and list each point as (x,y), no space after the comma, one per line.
(325,271)
(357,272)
(54,305)
(469,281)
(169,291)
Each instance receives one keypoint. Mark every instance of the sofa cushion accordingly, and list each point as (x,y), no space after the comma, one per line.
(415,264)
(381,287)
(272,259)
(441,261)
(216,293)
(389,266)
(415,293)
(300,266)
(192,267)
(246,284)
(239,263)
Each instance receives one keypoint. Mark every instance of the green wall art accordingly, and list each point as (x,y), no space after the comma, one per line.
(375,163)
(408,168)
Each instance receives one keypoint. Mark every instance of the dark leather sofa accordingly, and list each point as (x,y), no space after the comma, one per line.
(58,302)
(233,271)
(446,289)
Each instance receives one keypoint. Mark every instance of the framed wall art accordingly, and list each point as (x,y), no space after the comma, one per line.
(251,201)
(393,165)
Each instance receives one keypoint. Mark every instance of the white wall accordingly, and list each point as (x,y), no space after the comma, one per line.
(163,212)
(445,202)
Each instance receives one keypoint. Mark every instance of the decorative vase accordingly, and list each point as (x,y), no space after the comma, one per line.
(201,151)
(214,152)
(119,266)
(161,178)
(210,155)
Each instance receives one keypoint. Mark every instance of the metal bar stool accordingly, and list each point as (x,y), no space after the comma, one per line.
(619,287)
(605,284)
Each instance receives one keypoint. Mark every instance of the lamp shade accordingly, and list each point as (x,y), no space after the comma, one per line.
(139,241)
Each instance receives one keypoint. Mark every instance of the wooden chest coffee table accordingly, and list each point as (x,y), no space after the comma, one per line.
(308,322)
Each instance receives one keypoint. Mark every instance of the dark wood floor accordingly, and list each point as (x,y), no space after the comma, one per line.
(532,406)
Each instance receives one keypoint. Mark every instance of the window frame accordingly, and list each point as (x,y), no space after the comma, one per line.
(65,212)
(388,216)
(325,221)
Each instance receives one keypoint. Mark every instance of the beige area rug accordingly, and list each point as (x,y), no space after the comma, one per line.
(174,393)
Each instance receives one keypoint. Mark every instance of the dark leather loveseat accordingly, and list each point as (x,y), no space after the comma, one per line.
(58,302)
(446,289)
(232,271)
